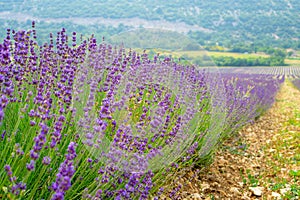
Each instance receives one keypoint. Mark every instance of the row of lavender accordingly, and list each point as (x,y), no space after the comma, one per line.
(95,122)
(292,72)
(261,88)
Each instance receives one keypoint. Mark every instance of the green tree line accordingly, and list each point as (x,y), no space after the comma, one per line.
(259,61)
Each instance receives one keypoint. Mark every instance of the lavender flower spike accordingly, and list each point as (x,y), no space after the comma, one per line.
(65,173)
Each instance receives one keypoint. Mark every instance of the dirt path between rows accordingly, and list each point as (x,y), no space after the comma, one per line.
(262,162)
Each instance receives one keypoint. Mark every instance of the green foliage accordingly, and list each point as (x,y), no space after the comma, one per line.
(192,47)
(260,61)
(153,38)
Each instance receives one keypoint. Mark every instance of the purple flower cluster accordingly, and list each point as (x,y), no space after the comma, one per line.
(65,174)
(6,74)
(39,141)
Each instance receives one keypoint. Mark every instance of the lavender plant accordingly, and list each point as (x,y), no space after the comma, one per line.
(91,121)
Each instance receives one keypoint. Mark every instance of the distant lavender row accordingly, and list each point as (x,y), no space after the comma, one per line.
(95,122)
(253,95)
(287,71)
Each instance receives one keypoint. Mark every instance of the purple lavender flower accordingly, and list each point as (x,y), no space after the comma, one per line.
(32,123)
(30,165)
(46,160)
(58,196)
(8,170)
(65,173)
(3,134)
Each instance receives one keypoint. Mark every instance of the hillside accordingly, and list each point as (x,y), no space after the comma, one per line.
(255,23)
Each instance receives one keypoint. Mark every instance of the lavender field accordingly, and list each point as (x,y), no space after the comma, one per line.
(82,119)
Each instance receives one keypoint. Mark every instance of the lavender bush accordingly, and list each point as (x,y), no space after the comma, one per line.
(248,97)
(93,121)
(90,121)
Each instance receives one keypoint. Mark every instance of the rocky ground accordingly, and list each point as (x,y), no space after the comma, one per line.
(262,162)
